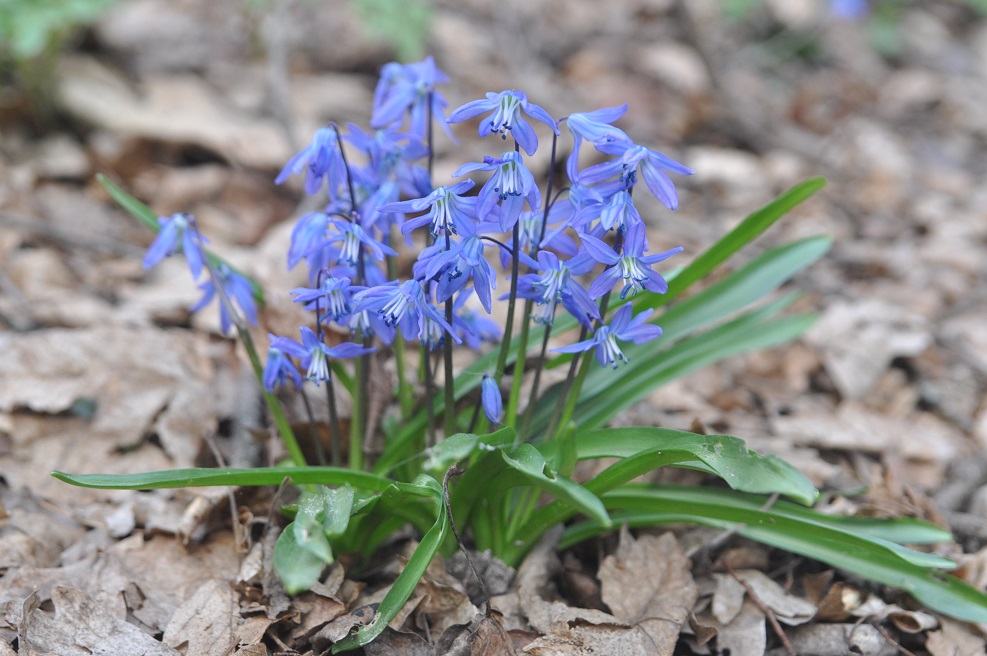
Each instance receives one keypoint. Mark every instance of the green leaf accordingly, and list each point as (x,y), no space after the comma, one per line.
(338,508)
(646,449)
(174,478)
(607,393)
(527,461)
(722,455)
(298,567)
(745,232)
(149,218)
(854,551)
(413,571)
(678,351)
(307,526)
(134,207)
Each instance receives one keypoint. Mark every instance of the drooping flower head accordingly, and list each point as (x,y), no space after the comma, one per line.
(405,306)
(177,235)
(315,355)
(632,266)
(510,185)
(351,237)
(236,288)
(461,263)
(406,88)
(279,369)
(447,209)
(506,108)
(630,156)
(621,327)
(308,233)
(333,297)
(322,160)
(555,284)
(593,127)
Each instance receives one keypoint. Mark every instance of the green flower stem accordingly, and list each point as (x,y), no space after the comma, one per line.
(535,385)
(505,344)
(571,398)
(358,423)
(566,388)
(273,405)
(510,417)
(335,440)
(405,393)
(320,452)
(430,436)
(450,383)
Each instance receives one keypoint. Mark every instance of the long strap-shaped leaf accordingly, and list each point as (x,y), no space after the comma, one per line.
(173,478)
(856,552)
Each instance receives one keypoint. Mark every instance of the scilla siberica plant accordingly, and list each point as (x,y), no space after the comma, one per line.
(575,259)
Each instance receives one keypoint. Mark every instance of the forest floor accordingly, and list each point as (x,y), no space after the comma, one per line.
(195,107)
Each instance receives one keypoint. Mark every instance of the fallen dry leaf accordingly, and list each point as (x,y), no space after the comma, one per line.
(647,583)
(744,634)
(955,639)
(729,598)
(80,627)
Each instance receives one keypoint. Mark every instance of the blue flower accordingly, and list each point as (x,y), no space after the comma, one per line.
(629,156)
(334,296)
(177,235)
(352,235)
(621,327)
(506,117)
(619,212)
(554,285)
(406,88)
(279,369)
(234,287)
(491,399)
(633,266)
(309,232)
(367,323)
(593,127)
(323,160)
(462,262)
(405,306)
(447,212)
(315,355)
(848,9)
(472,327)
(510,185)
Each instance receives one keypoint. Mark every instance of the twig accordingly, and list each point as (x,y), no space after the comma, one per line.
(764,609)
(456,471)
